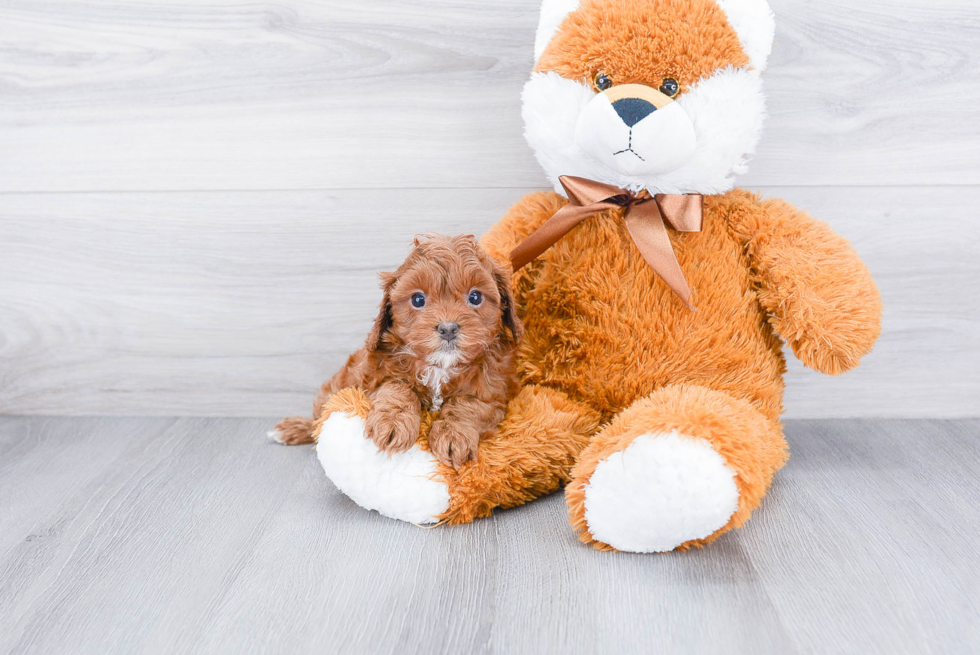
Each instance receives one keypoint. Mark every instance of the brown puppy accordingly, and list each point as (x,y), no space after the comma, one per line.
(444,340)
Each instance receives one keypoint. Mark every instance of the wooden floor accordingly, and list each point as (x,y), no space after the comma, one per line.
(197,535)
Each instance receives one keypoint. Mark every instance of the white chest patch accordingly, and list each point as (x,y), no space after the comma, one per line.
(441,368)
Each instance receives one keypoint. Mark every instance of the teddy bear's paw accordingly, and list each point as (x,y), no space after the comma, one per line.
(402,486)
(661,491)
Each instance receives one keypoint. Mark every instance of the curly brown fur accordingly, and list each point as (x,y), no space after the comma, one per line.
(406,366)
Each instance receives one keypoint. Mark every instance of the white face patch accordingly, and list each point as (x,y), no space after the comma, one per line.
(661,141)
(441,368)
(726,111)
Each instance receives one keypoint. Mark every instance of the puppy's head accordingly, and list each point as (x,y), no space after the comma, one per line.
(448,304)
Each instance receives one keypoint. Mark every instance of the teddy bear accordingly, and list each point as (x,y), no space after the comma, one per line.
(655,295)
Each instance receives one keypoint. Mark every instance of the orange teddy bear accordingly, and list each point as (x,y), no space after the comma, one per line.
(662,420)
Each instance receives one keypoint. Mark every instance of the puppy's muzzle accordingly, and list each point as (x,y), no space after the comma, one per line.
(636,130)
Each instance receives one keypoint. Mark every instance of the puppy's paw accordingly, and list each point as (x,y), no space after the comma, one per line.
(392,431)
(292,431)
(453,444)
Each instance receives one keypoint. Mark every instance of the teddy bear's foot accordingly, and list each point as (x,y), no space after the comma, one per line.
(676,469)
(663,490)
(405,486)
(531,454)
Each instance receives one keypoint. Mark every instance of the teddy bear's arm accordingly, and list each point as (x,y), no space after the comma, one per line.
(819,294)
(521,220)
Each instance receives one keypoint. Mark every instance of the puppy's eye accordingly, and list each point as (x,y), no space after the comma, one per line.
(475,298)
(602,81)
(418,300)
(670,87)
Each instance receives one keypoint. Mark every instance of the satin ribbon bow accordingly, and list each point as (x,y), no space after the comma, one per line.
(646,218)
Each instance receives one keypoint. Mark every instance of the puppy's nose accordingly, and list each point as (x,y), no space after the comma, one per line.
(633,110)
(448,331)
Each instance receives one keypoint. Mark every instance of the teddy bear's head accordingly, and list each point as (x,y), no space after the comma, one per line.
(661,95)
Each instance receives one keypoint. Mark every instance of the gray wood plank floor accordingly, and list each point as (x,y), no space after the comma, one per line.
(196,535)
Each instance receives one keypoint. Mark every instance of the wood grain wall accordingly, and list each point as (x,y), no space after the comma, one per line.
(195,197)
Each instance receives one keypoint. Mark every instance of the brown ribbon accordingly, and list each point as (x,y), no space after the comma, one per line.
(646,218)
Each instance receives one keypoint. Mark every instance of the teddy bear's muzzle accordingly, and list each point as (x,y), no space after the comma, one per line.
(636,130)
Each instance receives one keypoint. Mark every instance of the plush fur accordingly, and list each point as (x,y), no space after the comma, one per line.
(757,266)
(618,374)
(748,443)
(753,20)
(683,481)
(401,485)
(406,367)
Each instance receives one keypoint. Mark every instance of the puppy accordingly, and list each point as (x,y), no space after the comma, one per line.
(445,340)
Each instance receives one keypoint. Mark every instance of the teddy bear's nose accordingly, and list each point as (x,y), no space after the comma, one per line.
(633,110)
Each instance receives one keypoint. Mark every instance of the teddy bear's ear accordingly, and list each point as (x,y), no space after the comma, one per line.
(553,12)
(756,27)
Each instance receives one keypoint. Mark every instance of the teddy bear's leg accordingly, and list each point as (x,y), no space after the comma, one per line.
(530,455)
(404,486)
(676,469)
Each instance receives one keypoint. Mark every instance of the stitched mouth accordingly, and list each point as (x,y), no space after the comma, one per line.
(629,148)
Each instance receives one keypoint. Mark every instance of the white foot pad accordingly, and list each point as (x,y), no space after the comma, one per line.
(402,486)
(661,491)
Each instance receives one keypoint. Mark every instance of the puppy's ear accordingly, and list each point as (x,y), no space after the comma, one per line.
(384,320)
(508,307)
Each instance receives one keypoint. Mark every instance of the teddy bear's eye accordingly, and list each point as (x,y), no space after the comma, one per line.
(670,87)
(602,81)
